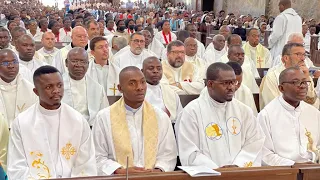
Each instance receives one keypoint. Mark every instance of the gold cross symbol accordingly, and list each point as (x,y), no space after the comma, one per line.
(68,151)
(259,61)
(20,109)
(114,89)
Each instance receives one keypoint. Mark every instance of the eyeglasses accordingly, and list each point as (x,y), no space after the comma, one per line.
(7,63)
(178,52)
(136,41)
(298,83)
(79,62)
(300,55)
(228,82)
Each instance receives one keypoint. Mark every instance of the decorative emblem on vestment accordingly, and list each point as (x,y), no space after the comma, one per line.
(21,109)
(213,131)
(234,126)
(43,170)
(68,151)
(248,164)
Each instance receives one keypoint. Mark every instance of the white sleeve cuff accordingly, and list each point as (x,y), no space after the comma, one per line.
(109,168)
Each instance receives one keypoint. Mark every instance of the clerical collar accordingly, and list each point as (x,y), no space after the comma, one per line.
(86,48)
(153,87)
(130,109)
(14,82)
(134,55)
(49,112)
(83,80)
(288,106)
(216,103)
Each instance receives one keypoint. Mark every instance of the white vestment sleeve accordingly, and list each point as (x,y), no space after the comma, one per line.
(268,152)
(105,165)
(278,30)
(4,135)
(179,106)
(268,59)
(167,146)
(189,144)
(17,161)
(253,143)
(85,165)
(197,84)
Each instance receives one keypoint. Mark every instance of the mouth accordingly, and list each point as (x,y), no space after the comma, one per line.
(56,98)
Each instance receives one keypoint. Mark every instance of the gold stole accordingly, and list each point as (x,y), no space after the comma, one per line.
(121,135)
(260,54)
(186,74)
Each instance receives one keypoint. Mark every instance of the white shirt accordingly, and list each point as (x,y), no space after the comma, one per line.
(79,96)
(33,64)
(127,58)
(212,55)
(9,94)
(102,75)
(154,96)
(159,36)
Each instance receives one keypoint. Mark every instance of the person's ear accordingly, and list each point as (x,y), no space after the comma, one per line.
(36,91)
(119,88)
(66,62)
(280,87)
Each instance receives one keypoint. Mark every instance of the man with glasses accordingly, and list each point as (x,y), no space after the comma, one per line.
(183,76)
(79,38)
(135,56)
(80,91)
(291,126)
(16,91)
(293,55)
(217,130)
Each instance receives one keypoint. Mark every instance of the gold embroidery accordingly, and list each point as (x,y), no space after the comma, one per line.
(234,127)
(39,164)
(68,151)
(248,164)
(259,61)
(21,109)
(114,89)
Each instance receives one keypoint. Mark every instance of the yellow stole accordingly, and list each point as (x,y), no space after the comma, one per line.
(187,71)
(121,135)
(260,54)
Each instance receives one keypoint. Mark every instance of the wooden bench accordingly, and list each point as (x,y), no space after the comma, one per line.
(256,173)
(314,51)
(308,172)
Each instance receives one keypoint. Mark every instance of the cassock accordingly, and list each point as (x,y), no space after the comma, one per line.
(199,63)
(25,73)
(15,97)
(33,64)
(288,131)
(144,135)
(4,135)
(107,76)
(157,47)
(212,55)
(127,58)
(52,58)
(164,98)
(50,144)
(64,35)
(86,96)
(165,39)
(188,76)
(269,87)
(201,49)
(216,134)
(260,55)
(286,23)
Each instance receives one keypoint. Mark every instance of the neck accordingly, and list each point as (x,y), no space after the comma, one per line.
(6,80)
(133,105)
(153,83)
(48,49)
(76,78)
(33,31)
(50,107)
(190,55)
(101,62)
(166,31)
(25,59)
(295,104)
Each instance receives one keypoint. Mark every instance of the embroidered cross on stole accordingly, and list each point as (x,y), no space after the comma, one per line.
(187,71)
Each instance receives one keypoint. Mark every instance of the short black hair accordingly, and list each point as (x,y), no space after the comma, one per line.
(236,67)
(283,74)
(251,29)
(44,70)
(174,43)
(164,21)
(230,37)
(214,69)
(95,40)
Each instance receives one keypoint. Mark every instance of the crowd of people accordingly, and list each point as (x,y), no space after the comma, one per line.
(57,68)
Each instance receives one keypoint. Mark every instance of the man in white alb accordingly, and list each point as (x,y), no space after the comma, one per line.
(216,130)
(82,92)
(4,138)
(215,50)
(133,129)
(160,95)
(101,69)
(286,23)
(293,54)
(16,92)
(134,56)
(291,126)
(182,76)
(51,54)
(50,139)
(26,48)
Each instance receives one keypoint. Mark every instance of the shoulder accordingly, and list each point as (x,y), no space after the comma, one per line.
(310,108)
(244,108)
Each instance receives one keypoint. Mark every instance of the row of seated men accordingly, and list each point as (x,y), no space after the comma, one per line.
(175,71)
(51,139)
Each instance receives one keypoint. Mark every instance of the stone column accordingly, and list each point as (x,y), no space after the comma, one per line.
(218,5)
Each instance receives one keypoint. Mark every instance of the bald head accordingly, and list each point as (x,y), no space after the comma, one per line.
(78,50)
(48,41)
(77,63)
(79,37)
(8,73)
(182,35)
(287,73)
(152,70)
(234,39)
(5,52)
(224,31)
